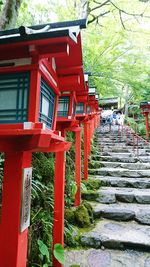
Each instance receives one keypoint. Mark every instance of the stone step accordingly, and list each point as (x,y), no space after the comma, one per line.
(121,235)
(124,149)
(106,258)
(130,159)
(110,195)
(124,154)
(110,142)
(120,172)
(114,154)
(114,159)
(123,212)
(123,181)
(130,166)
(122,145)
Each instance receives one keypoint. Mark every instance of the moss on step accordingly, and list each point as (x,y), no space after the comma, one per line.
(94,164)
(82,216)
(92,184)
(89,209)
(74,265)
(69,215)
(93,171)
(90,195)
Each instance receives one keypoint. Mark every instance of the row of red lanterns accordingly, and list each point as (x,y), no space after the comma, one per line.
(43,94)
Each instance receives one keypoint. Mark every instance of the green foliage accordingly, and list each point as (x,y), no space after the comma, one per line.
(70,187)
(83,186)
(71,233)
(138,126)
(59,253)
(44,253)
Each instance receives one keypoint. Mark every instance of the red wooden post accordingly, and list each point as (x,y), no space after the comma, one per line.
(59,189)
(147,125)
(78,166)
(86,149)
(92,128)
(13,243)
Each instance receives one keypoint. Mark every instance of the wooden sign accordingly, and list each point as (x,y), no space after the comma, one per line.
(26,198)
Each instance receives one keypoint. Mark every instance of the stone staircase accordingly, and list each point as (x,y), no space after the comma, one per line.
(121,236)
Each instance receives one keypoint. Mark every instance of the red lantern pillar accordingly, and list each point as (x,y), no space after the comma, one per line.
(147,125)
(78,166)
(13,242)
(59,190)
(89,136)
(86,147)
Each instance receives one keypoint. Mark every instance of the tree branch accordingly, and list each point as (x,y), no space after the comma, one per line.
(128,13)
(95,18)
(121,20)
(100,5)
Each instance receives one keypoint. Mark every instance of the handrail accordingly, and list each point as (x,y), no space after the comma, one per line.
(135,138)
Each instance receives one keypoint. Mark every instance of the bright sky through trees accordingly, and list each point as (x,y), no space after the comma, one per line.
(116,46)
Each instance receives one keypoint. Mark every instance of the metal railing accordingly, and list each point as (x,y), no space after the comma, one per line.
(131,138)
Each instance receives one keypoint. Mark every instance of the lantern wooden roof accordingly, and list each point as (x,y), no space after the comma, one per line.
(47,40)
(144,104)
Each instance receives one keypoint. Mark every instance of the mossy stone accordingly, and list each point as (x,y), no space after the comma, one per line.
(94,164)
(89,209)
(69,215)
(90,195)
(82,216)
(74,265)
(93,184)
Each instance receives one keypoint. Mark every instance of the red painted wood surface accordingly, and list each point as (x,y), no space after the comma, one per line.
(147,125)
(78,166)
(13,243)
(86,146)
(34,97)
(59,189)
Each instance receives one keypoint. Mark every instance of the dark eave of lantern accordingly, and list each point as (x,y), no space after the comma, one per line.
(52,39)
(81,23)
(144,103)
(49,30)
(24,37)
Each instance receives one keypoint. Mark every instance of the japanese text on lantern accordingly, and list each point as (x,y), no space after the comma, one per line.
(26,198)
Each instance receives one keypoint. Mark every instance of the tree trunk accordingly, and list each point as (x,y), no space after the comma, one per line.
(126,100)
(83,9)
(9,14)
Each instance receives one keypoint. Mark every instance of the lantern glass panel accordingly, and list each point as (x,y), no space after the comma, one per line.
(146,109)
(74,109)
(14,91)
(47,104)
(88,109)
(63,106)
(80,108)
